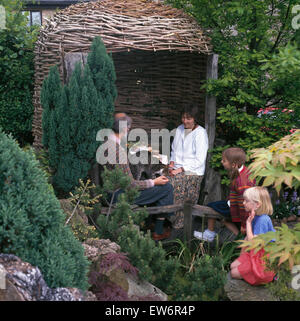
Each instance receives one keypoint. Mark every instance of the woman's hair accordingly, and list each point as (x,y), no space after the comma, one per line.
(192,111)
(234,155)
(260,194)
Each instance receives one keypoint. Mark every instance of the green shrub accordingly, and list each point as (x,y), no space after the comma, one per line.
(17,73)
(150,259)
(123,227)
(278,163)
(32,221)
(281,288)
(204,282)
(74,113)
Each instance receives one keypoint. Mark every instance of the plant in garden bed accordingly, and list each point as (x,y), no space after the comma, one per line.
(17,72)
(201,277)
(287,208)
(32,221)
(102,287)
(229,252)
(122,225)
(74,113)
(85,203)
(43,158)
(203,282)
(278,164)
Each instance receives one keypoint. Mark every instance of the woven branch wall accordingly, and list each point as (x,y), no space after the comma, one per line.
(154,87)
(158,51)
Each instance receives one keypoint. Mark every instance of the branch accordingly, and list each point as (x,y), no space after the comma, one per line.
(282,28)
(110,205)
(68,220)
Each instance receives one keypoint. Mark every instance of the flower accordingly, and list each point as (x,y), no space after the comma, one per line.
(294,197)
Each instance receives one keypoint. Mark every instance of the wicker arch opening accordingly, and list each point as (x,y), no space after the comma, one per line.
(159,53)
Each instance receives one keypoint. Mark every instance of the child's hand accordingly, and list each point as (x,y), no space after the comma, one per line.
(251,217)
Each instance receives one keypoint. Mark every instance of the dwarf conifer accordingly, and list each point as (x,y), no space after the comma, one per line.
(32,221)
(74,113)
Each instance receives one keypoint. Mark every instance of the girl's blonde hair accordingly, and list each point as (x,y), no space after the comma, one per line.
(260,194)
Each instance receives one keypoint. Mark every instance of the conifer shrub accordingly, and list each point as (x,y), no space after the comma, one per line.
(203,282)
(32,221)
(122,226)
(74,113)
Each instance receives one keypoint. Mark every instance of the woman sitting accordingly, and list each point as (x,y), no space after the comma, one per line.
(187,161)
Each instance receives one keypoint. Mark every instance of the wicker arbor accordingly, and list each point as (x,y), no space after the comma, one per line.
(160,57)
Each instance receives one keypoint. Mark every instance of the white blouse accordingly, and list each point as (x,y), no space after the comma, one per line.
(190,151)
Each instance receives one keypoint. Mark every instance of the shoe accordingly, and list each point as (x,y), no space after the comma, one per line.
(158,237)
(208,235)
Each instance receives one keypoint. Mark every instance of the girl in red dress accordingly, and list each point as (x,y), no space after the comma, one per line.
(251,266)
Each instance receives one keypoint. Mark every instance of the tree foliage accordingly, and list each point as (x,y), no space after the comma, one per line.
(17,72)
(258,67)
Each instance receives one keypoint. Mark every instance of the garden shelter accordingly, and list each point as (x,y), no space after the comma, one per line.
(161,58)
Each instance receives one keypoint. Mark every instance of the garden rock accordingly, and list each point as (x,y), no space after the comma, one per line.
(143,290)
(239,290)
(96,250)
(24,282)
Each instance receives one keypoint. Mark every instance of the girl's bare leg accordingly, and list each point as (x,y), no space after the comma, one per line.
(211,224)
(235,274)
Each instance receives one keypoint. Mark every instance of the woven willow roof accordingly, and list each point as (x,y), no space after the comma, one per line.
(125,25)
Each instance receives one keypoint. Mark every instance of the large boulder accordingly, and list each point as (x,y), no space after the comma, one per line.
(239,290)
(20,281)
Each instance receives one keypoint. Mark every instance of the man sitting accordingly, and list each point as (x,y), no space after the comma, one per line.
(157,192)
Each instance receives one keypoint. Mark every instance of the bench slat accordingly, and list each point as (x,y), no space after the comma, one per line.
(151,210)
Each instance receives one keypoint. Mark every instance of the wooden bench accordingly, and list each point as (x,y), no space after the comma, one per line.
(189,210)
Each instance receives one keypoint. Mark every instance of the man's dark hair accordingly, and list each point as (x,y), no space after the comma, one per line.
(119,122)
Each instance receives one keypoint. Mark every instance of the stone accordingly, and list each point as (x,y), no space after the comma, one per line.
(97,247)
(239,290)
(10,293)
(143,290)
(24,282)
